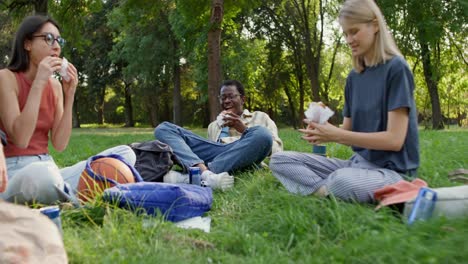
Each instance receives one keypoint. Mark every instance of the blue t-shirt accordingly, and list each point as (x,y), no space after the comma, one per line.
(224,133)
(369,96)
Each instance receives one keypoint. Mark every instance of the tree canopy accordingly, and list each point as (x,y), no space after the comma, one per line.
(148,61)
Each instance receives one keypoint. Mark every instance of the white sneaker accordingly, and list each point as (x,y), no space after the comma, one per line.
(221,180)
(176,177)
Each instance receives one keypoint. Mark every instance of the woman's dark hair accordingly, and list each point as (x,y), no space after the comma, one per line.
(19,61)
(237,84)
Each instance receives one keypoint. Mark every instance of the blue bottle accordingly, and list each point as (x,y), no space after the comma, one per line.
(195,175)
(53,212)
(423,205)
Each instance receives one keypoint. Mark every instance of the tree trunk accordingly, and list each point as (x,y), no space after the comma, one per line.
(432,86)
(291,105)
(298,69)
(100,107)
(176,96)
(206,115)
(214,57)
(76,114)
(40,7)
(312,54)
(326,87)
(129,122)
(152,107)
(301,101)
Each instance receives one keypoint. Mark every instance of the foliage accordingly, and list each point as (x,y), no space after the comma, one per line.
(426,30)
(127,51)
(6,42)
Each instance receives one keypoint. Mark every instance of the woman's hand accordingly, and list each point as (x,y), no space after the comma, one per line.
(69,87)
(317,134)
(233,120)
(46,68)
(3,171)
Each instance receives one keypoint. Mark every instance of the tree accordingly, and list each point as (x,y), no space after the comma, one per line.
(144,46)
(214,56)
(99,68)
(423,28)
(7,33)
(40,6)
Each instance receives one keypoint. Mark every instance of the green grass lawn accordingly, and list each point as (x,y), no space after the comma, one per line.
(258,221)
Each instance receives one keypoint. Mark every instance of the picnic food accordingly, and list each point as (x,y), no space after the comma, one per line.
(318,113)
(220,118)
(63,70)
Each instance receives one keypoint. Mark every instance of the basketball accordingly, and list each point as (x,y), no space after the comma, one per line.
(109,168)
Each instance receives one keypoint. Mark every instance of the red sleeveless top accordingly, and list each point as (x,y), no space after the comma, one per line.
(40,139)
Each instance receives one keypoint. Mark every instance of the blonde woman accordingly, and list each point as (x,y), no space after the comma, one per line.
(379,123)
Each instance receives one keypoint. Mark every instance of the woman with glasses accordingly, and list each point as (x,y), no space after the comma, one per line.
(35,106)
(380,122)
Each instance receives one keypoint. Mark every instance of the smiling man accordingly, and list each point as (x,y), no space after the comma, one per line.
(238,140)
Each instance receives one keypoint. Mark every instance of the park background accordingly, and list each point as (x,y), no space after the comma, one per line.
(144,62)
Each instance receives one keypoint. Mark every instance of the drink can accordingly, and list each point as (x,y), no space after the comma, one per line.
(53,212)
(195,175)
(319,150)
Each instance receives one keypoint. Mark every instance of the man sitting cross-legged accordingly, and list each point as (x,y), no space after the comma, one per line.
(237,140)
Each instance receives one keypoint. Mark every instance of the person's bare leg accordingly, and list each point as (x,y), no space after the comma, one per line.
(321,192)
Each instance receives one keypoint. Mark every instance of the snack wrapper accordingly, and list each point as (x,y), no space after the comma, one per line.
(318,113)
(220,118)
(63,70)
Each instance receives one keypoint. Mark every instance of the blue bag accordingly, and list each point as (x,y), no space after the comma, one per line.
(175,202)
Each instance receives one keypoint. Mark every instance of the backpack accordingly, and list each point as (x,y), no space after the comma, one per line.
(153,159)
(175,202)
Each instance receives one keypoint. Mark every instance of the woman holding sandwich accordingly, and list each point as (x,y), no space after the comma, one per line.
(36,107)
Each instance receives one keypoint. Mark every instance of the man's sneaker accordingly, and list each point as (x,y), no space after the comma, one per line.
(221,180)
(176,177)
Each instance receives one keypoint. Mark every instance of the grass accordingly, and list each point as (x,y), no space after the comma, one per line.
(258,221)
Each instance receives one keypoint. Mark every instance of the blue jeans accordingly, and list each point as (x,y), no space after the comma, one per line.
(191,149)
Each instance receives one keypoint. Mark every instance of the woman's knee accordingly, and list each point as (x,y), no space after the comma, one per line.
(341,184)
(127,153)
(344,185)
(278,160)
(37,182)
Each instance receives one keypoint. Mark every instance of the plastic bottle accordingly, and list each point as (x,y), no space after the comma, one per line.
(53,212)
(423,206)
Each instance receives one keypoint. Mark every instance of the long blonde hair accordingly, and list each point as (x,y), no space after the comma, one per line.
(367,11)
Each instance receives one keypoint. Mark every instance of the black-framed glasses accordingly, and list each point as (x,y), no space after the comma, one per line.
(228,96)
(50,39)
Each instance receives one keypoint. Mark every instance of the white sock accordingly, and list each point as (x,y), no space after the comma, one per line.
(218,181)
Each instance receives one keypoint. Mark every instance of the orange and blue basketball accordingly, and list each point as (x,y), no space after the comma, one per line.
(108,168)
